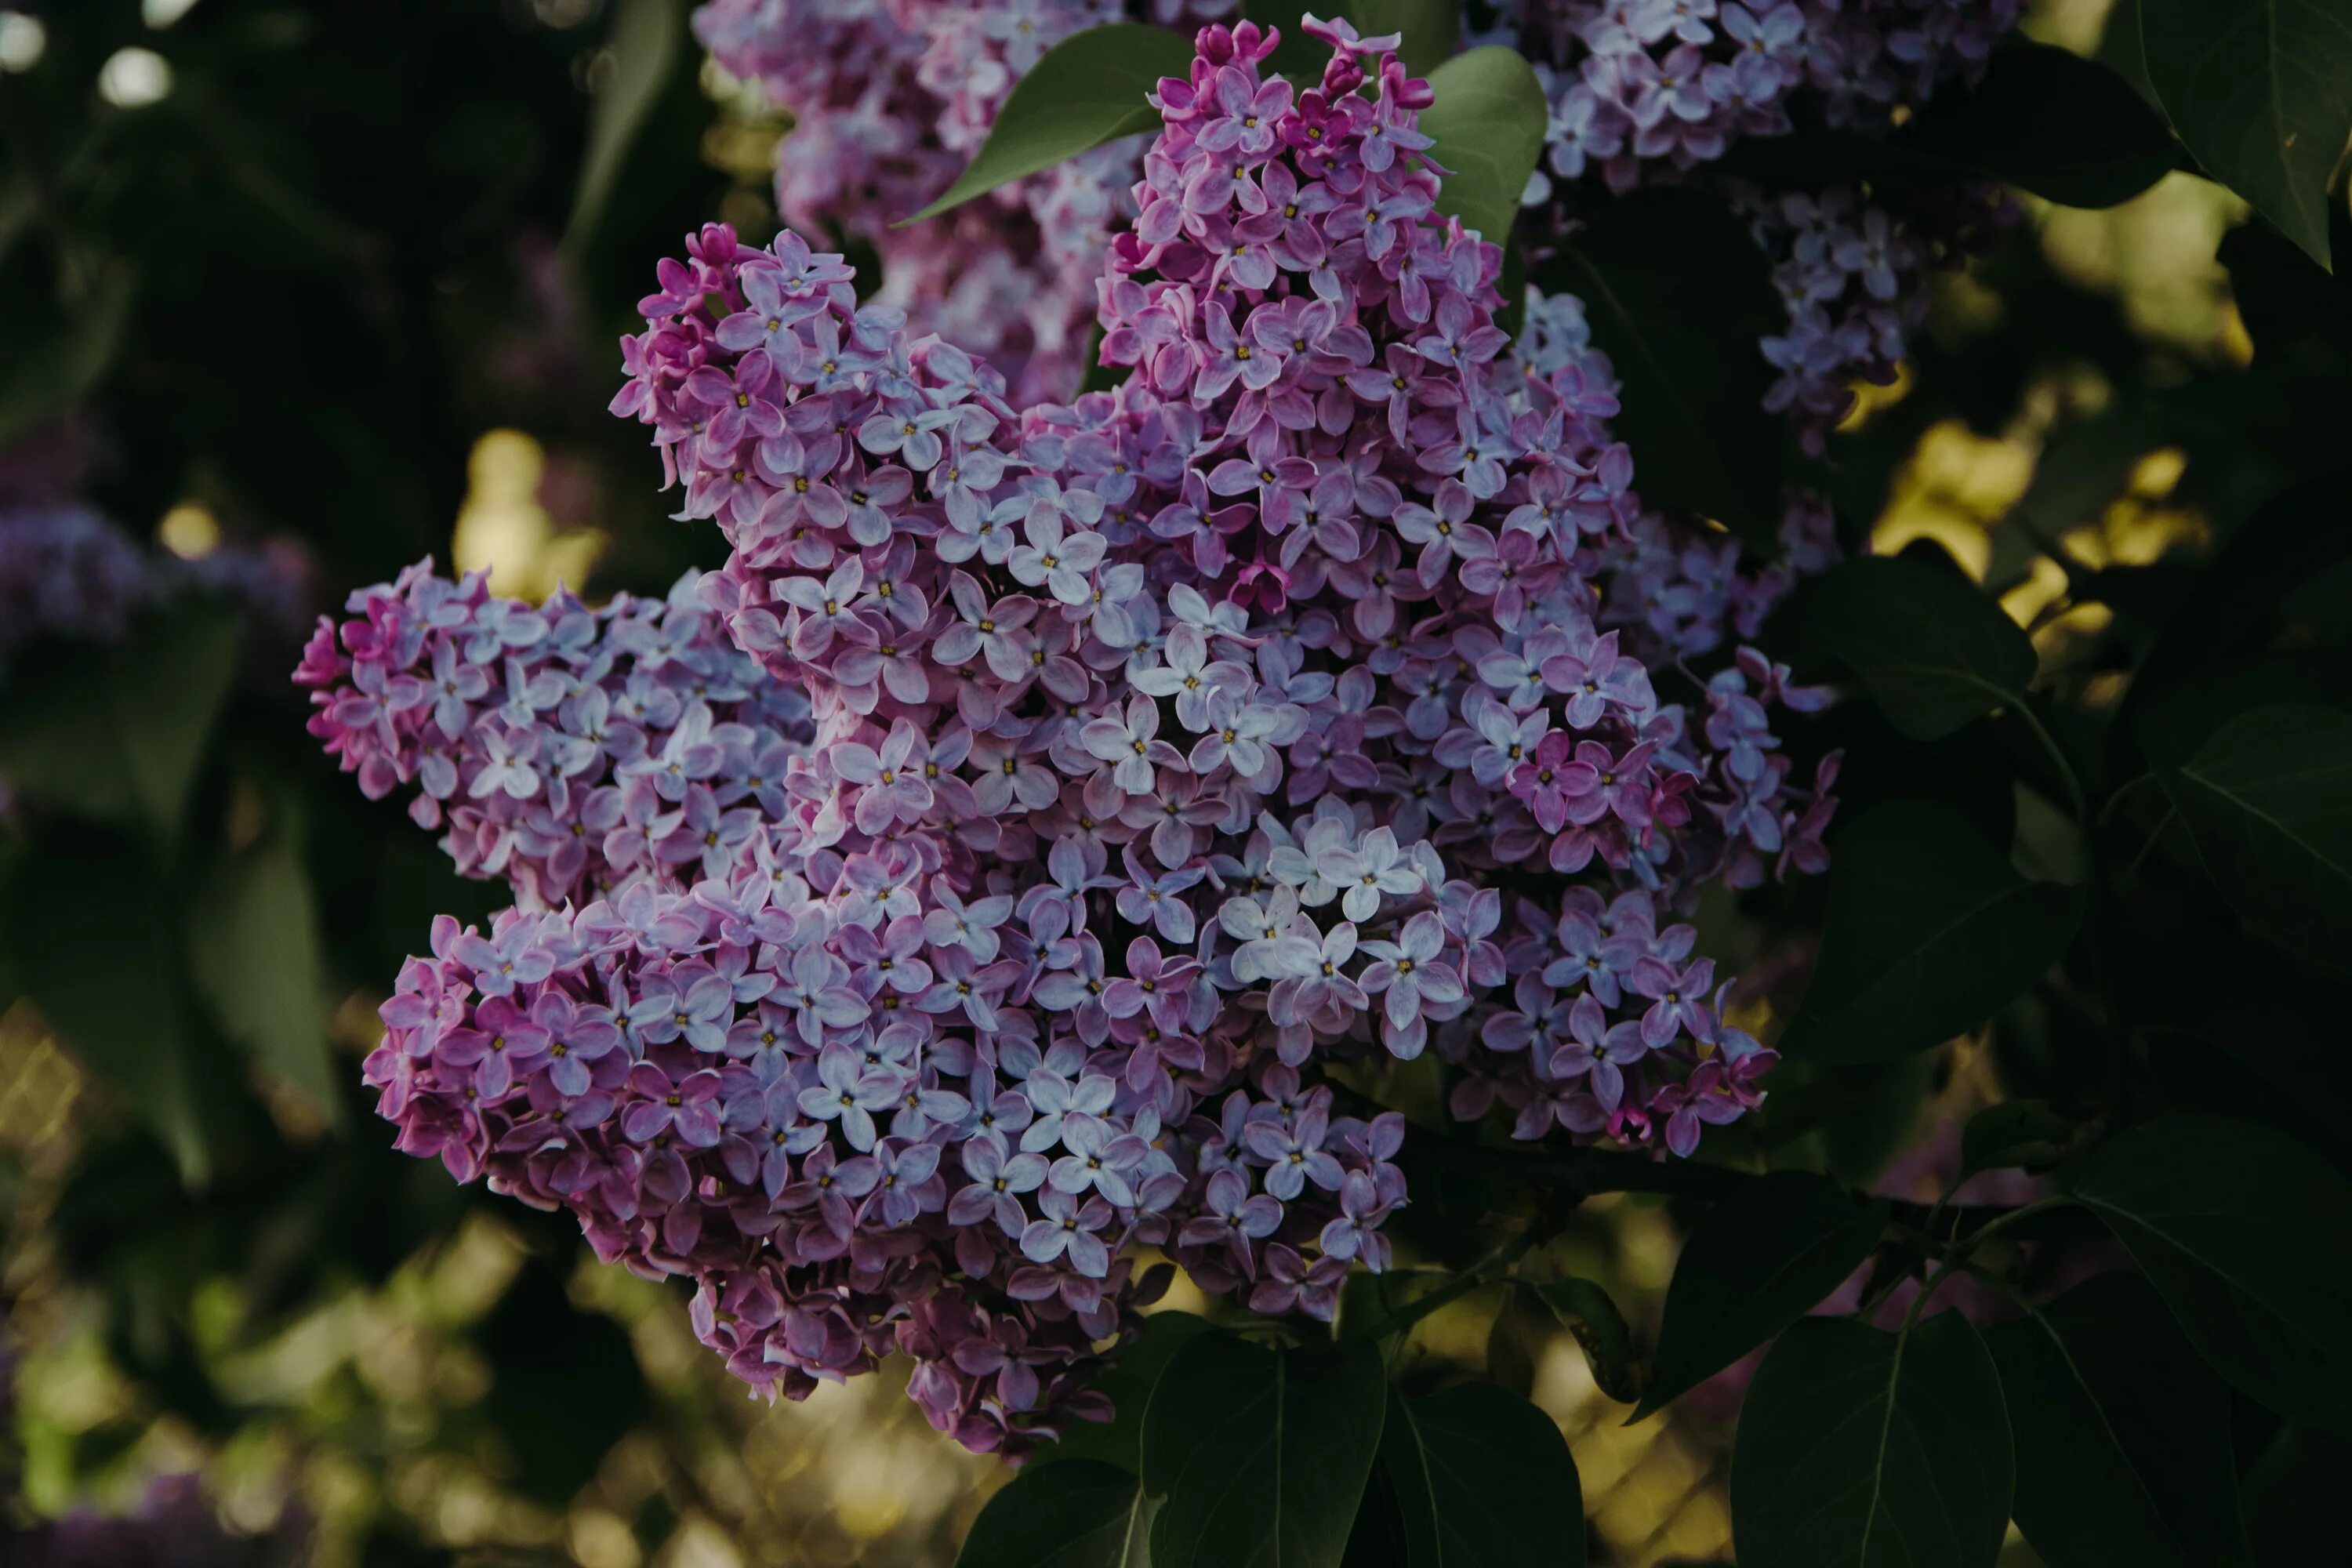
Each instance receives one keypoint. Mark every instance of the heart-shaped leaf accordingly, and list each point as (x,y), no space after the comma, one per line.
(2268,798)
(1081,1513)
(1758,1261)
(1929,934)
(1258,1457)
(2122,1435)
(2249,1236)
(1933,650)
(1859,1449)
(1087,89)
(1482,1479)
(2261,92)
(1488,124)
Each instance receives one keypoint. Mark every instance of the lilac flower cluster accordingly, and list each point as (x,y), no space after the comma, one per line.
(889,102)
(1639,83)
(66,572)
(570,751)
(1143,757)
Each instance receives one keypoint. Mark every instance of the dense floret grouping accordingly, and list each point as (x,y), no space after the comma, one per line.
(1089,777)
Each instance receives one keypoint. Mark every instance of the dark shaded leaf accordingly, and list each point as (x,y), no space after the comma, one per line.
(1079,1514)
(253,946)
(1601,1331)
(1934,650)
(2268,799)
(1488,122)
(2122,1434)
(644,48)
(1677,292)
(91,930)
(116,732)
(2015,1133)
(1929,934)
(1257,1458)
(2261,92)
(1088,89)
(566,1384)
(1859,1447)
(1128,1386)
(2249,1236)
(1758,1261)
(2049,121)
(61,365)
(1482,1479)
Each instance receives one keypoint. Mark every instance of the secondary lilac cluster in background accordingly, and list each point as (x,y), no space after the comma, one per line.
(888,100)
(1644,91)
(1090,778)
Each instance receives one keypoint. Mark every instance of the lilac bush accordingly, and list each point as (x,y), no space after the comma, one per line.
(1088,778)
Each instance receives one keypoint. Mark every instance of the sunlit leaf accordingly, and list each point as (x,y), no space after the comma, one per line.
(1088,89)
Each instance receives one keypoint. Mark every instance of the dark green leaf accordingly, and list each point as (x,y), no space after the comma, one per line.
(1755,1264)
(1488,121)
(1128,1386)
(2043,119)
(2283,299)
(1257,1458)
(1088,89)
(2249,1236)
(47,378)
(2122,1435)
(1678,293)
(643,49)
(2261,92)
(2015,1133)
(115,732)
(1482,1479)
(1929,934)
(253,943)
(1429,30)
(1079,1514)
(91,930)
(565,1383)
(1934,649)
(2053,122)
(1858,1449)
(1601,1330)
(2268,799)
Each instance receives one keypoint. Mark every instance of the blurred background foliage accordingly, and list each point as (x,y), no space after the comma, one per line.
(349,273)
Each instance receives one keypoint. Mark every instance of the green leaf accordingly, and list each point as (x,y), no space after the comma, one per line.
(1934,649)
(2268,799)
(2043,119)
(115,733)
(2261,92)
(1678,293)
(1088,89)
(90,925)
(1082,1514)
(1929,934)
(253,943)
(643,50)
(1859,1449)
(1488,123)
(1482,1479)
(1127,1384)
(2015,1133)
(1758,1261)
(2249,1236)
(1258,1457)
(68,357)
(2122,1435)
(1430,29)
(1592,1319)
(2049,121)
